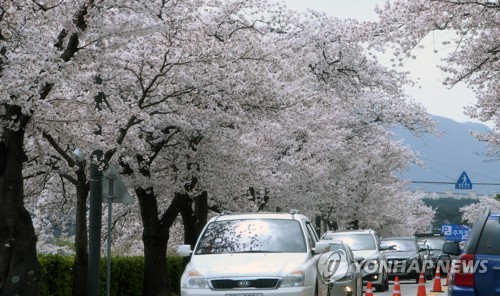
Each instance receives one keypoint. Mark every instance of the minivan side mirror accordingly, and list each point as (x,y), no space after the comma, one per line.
(321,247)
(184,250)
(451,248)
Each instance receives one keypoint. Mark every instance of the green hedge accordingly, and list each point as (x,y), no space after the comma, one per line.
(126,275)
(57,275)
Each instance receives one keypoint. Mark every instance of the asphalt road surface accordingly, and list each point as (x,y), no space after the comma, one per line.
(410,288)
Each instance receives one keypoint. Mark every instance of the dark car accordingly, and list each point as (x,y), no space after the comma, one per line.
(434,244)
(405,258)
(476,272)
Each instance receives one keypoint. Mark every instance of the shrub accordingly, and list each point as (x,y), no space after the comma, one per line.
(126,275)
(57,275)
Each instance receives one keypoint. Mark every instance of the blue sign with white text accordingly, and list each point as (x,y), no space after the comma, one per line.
(463,182)
(453,232)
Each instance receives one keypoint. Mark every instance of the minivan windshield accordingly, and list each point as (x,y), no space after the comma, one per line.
(252,236)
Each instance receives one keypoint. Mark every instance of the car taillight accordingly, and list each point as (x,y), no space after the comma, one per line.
(463,270)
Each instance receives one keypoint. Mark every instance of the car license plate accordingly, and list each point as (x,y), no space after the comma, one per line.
(245,294)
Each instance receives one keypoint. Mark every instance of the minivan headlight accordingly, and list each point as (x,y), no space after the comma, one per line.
(195,280)
(294,279)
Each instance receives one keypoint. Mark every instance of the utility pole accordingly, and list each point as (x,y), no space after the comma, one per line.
(95,213)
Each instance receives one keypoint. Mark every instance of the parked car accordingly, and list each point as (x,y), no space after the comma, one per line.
(405,258)
(365,244)
(434,243)
(340,270)
(254,254)
(476,272)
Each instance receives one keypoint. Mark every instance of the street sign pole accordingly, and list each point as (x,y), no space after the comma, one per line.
(116,192)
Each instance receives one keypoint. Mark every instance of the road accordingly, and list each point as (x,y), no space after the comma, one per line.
(409,288)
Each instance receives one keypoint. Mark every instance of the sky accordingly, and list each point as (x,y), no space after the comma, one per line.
(436,98)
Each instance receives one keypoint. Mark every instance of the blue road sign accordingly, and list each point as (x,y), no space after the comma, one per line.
(463,182)
(453,232)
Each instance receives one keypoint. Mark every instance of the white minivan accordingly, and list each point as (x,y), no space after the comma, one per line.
(255,254)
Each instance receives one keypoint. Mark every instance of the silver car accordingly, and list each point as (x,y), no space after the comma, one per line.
(254,254)
(366,244)
(340,270)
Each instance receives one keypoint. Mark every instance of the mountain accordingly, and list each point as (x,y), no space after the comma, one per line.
(446,156)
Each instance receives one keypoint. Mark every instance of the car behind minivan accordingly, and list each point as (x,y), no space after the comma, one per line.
(365,244)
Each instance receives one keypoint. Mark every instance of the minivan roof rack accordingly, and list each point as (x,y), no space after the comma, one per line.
(294,211)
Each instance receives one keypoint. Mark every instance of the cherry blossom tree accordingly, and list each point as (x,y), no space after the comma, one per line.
(240,102)
(159,124)
(471,213)
(469,33)
(19,100)
(344,160)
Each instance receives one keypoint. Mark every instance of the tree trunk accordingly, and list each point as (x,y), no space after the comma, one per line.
(201,212)
(194,221)
(80,269)
(189,222)
(155,237)
(317,225)
(20,270)
(354,224)
(155,264)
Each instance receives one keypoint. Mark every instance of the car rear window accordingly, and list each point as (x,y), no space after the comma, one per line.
(489,242)
(357,242)
(252,236)
(401,245)
(434,243)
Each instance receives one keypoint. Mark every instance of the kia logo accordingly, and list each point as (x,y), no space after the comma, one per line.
(244,284)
